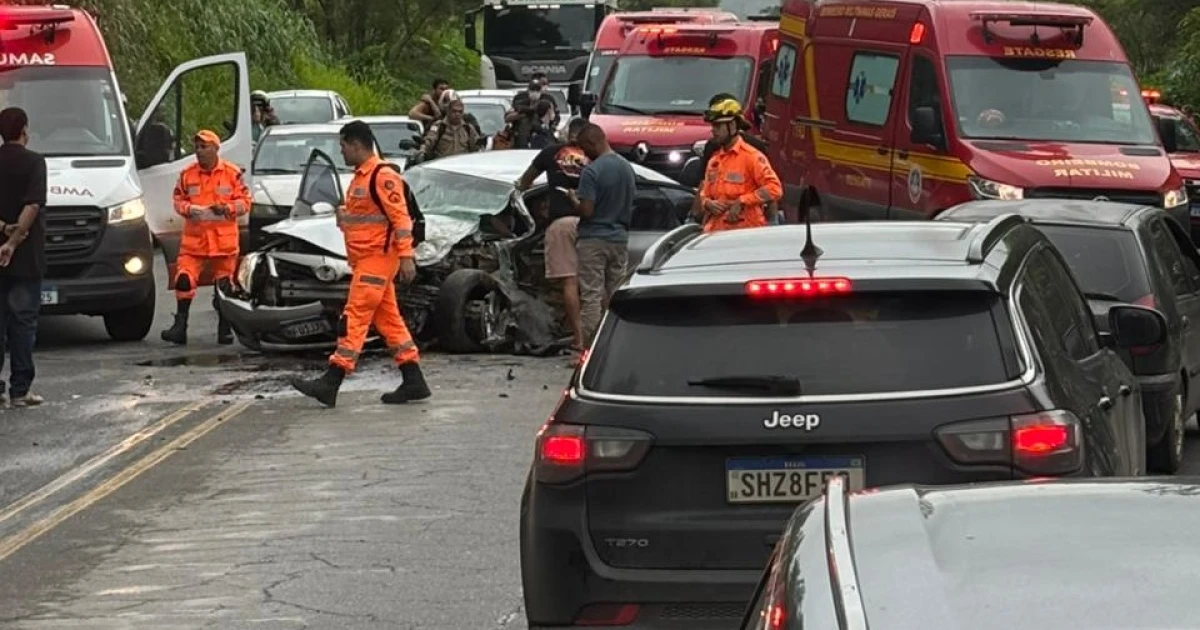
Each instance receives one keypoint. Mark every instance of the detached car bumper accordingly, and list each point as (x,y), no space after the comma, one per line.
(296,327)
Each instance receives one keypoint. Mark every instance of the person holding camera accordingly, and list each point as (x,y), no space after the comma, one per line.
(524,119)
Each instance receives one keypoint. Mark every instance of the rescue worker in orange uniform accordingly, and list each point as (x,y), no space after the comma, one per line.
(379,244)
(739,184)
(210,196)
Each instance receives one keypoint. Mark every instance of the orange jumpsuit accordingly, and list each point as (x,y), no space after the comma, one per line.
(740,173)
(376,240)
(208,238)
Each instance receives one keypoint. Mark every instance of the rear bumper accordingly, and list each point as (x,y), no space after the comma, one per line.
(562,573)
(98,283)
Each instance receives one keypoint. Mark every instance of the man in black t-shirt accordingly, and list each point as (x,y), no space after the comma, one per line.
(562,164)
(22,252)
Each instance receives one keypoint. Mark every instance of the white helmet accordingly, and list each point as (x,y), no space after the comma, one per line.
(449,96)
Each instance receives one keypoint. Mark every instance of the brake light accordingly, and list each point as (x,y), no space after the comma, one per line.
(607,615)
(798,287)
(1047,443)
(917,33)
(1147,301)
(565,452)
(775,617)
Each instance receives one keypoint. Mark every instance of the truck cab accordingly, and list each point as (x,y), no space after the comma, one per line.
(651,104)
(110,182)
(924,104)
(525,37)
(617,27)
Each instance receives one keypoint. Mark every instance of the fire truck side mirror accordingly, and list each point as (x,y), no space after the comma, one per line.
(1166,132)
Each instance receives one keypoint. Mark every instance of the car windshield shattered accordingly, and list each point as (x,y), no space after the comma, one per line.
(456,194)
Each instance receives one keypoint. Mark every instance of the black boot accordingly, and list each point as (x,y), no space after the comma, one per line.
(224,331)
(177,333)
(324,388)
(411,389)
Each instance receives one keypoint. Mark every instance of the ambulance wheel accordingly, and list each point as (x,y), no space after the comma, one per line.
(469,308)
(133,323)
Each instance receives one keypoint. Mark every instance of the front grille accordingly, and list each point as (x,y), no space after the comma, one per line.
(1139,197)
(660,159)
(72,232)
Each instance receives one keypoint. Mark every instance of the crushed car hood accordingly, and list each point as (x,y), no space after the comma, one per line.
(442,233)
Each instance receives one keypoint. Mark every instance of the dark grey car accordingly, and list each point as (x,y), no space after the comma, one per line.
(1058,555)
(733,376)
(1132,254)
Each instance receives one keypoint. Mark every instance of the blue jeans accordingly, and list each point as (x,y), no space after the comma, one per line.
(20,300)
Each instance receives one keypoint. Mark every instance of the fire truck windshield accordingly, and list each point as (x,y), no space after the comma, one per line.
(1047,100)
(73,111)
(678,84)
(1186,135)
(522,31)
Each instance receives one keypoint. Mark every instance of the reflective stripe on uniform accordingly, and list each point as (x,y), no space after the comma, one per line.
(224,190)
(361,219)
(763,195)
(346,353)
(193,189)
(206,215)
(399,233)
(373,280)
(404,347)
(735,178)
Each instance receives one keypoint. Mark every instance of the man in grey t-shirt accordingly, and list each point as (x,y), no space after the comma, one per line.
(605,205)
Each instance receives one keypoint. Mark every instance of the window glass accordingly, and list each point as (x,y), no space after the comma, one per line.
(456,194)
(923,86)
(280,153)
(869,95)
(389,135)
(72,111)
(869,343)
(647,85)
(1170,257)
(1107,262)
(597,71)
(1067,313)
(652,210)
(785,65)
(201,98)
(303,109)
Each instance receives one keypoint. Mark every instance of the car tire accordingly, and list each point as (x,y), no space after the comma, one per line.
(458,326)
(133,323)
(1167,454)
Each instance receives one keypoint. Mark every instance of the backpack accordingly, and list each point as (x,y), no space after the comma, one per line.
(410,200)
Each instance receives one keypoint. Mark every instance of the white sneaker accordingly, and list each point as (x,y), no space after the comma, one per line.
(28,400)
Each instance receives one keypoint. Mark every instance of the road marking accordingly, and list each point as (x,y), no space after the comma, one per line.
(15,542)
(41,494)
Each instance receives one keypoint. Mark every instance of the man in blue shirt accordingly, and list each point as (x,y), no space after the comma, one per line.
(605,205)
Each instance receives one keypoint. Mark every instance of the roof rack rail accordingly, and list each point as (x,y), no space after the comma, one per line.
(665,246)
(843,575)
(986,235)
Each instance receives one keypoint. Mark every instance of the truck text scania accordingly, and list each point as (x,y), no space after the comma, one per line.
(101,210)
(923,104)
(617,27)
(652,101)
(525,37)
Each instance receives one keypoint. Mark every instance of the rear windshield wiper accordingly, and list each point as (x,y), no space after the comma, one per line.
(771,384)
(1102,296)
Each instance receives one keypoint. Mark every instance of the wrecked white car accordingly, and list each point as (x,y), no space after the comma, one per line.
(480,285)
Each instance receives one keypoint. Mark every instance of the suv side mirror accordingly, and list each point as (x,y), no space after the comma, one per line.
(692,173)
(587,102)
(1136,326)
(1167,132)
(927,127)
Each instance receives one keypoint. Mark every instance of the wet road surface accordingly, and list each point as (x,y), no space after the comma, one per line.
(164,488)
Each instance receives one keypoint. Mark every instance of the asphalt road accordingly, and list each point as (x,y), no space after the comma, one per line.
(161,488)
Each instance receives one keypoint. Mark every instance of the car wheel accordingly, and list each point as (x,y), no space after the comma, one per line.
(133,323)
(1167,455)
(469,310)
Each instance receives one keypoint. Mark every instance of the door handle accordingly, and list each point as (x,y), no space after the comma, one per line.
(881,150)
(1105,403)
(1125,390)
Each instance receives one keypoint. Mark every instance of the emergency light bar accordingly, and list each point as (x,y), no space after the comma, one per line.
(1034,19)
(1151,96)
(13,17)
(710,36)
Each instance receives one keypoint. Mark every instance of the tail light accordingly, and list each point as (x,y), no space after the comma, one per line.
(1045,443)
(798,287)
(566,452)
(773,614)
(607,615)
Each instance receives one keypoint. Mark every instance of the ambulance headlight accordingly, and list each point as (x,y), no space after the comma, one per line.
(245,272)
(986,189)
(1175,198)
(132,210)
(675,157)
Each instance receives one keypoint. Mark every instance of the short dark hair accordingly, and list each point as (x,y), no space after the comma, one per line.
(538,75)
(592,132)
(576,125)
(359,132)
(13,122)
(437,82)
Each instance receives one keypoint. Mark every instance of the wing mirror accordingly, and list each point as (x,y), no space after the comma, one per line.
(1136,326)
(692,173)
(927,127)
(322,207)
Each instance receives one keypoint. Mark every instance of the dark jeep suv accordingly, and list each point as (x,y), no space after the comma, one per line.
(736,372)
